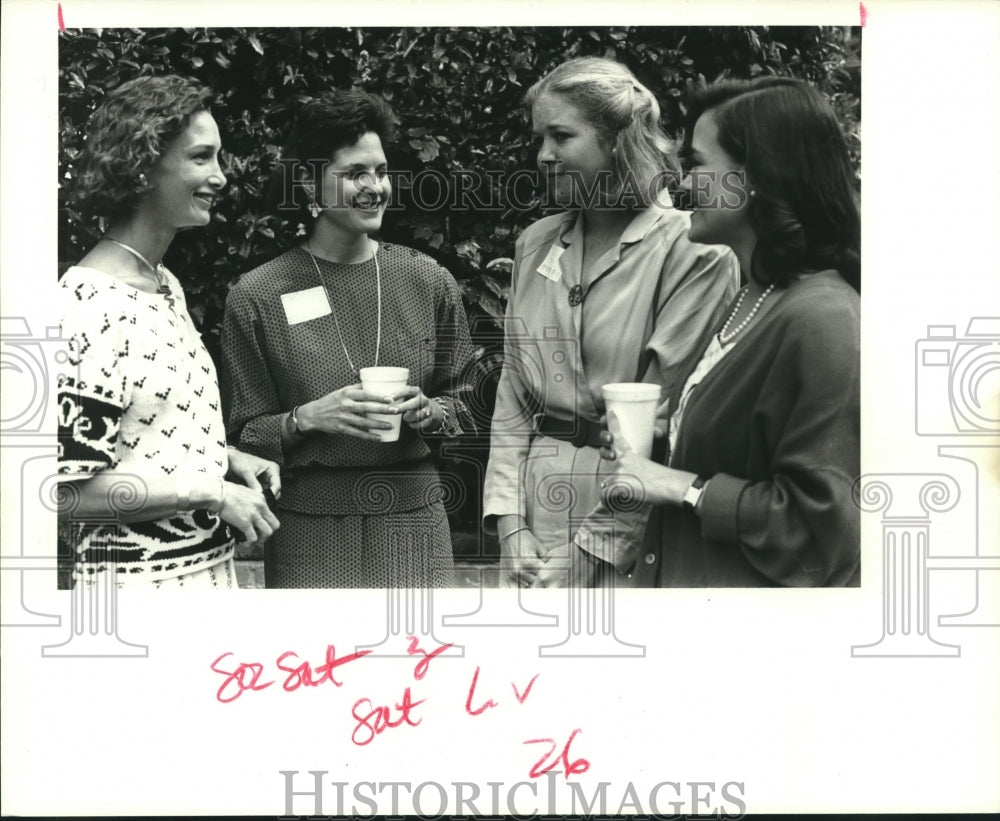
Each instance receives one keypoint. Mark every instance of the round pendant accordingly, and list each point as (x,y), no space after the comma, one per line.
(575,295)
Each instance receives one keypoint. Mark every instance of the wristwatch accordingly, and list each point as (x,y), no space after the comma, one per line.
(693,494)
(292,422)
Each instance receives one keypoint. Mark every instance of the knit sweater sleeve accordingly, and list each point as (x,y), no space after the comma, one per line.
(92,386)
(800,526)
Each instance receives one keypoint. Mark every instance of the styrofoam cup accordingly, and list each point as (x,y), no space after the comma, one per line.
(385,381)
(634,405)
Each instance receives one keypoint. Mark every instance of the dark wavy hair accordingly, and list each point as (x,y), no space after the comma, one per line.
(323,125)
(804,211)
(128,134)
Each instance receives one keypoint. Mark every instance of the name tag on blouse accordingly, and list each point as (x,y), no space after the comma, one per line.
(550,265)
(301,306)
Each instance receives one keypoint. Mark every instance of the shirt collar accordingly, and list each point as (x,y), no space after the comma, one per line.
(642,223)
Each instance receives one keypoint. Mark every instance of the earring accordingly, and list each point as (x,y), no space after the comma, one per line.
(314,209)
(753,192)
(142,181)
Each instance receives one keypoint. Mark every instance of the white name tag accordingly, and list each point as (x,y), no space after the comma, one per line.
(550,265)
(301,306)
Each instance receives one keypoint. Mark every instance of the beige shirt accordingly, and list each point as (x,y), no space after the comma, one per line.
(646,307)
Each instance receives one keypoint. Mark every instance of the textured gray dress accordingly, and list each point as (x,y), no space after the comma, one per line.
(353,513)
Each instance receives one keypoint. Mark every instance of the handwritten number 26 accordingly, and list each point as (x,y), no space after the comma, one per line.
(580,765)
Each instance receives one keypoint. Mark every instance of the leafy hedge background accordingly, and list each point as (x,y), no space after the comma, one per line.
(457,96)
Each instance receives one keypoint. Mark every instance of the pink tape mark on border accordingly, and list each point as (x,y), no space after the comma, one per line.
(62,25)
(864,14)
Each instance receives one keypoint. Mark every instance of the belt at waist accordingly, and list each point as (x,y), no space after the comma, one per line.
(578,432)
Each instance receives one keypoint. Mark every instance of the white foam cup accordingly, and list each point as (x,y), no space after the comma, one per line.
(634,405)
(385,381)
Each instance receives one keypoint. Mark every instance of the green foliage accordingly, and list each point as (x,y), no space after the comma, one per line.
(457,95)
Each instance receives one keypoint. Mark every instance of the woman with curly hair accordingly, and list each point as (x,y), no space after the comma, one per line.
(357,511)
(765,428)
(148,491)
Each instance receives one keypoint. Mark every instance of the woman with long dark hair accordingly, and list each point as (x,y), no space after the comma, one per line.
(765,428)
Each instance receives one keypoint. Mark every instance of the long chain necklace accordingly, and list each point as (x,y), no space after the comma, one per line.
(723,338)
(157,271)
(336,322)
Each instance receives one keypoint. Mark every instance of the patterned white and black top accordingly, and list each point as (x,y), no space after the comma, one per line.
(139,395)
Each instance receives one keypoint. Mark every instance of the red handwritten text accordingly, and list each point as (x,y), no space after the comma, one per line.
(247,675)
(414,649)
(468,701)
(302,675)
(244,677)
(374,719)
(379,719)
(580,765)
(527,689)
(489,703)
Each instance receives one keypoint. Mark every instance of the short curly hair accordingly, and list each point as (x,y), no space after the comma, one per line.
(322,126)
(128,134)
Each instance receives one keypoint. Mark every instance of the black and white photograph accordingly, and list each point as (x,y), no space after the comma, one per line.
(610,248)
(446,347)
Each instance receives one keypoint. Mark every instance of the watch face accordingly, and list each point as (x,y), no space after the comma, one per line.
(692,496)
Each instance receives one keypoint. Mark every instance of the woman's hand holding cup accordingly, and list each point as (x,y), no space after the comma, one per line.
(631,473)
(419,411)
(346,411)
(388,383)
(634,476)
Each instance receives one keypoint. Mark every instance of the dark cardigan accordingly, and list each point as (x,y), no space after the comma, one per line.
(775,426)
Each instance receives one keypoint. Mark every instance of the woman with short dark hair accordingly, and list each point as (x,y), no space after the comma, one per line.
(141,438)
(356,511)
(765,429)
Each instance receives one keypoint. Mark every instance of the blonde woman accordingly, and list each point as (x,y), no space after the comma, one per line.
(610,290)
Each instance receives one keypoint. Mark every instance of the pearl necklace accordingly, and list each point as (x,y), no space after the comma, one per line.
(336,322)
(723,338)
